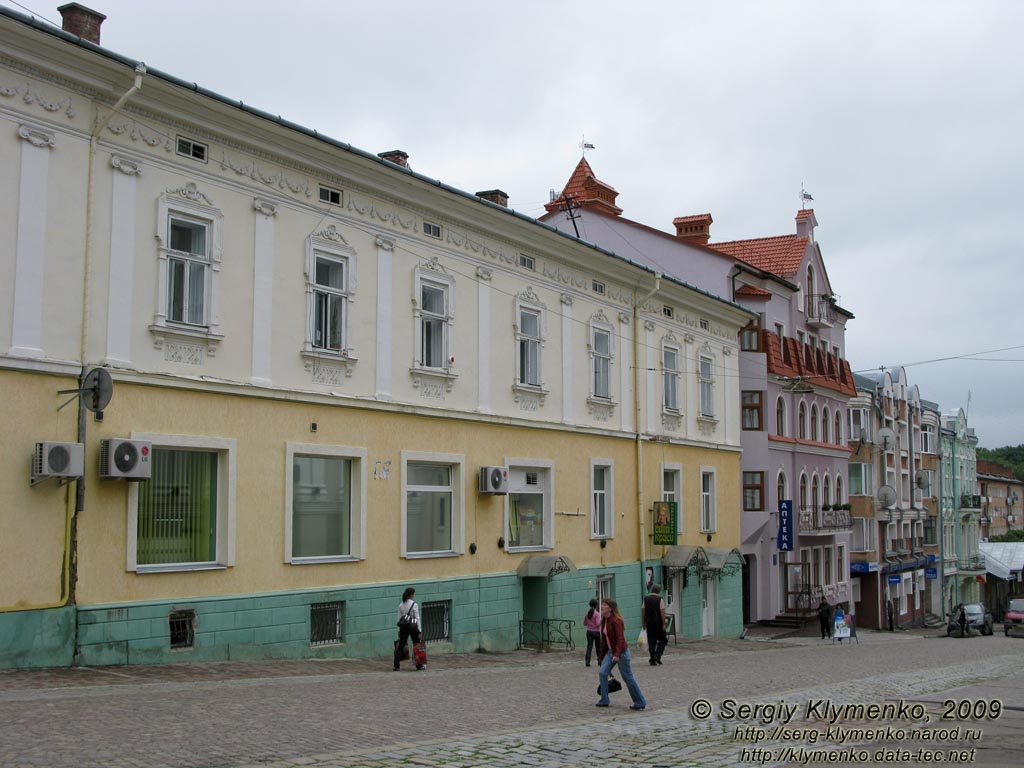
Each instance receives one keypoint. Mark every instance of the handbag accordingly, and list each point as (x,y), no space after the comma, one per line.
(405,620)
(404,655)
(613,685)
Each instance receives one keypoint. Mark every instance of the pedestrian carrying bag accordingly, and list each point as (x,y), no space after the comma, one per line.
(406,619)
(404,655)
(613,685)
(641,640)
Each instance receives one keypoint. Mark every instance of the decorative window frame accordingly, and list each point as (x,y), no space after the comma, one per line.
(529,301)
(670,344)
(784,423)
(329,242)
(357,488)
(709,525)
(705,354)
(801,421)
(548,471)
(457,462)
(227,478)
(608,466)
(600,406)
(432,272)
(782,490)
(189,203)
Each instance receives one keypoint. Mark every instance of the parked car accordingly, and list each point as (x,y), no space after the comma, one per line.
(1013,620)
(977,618)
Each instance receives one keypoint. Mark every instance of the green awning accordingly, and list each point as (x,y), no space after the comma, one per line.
(544,566)
(683,556)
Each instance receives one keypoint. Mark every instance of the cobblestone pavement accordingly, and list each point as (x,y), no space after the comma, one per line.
(511,710)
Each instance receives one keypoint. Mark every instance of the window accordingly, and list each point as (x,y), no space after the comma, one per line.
(707,387)
(781,487)
(750,338)
(840,563)
(432,517)
(527,262)
(432,230)
(815,492)
(802,421)
(530,521)
(325,622)
(827,562)
(814,422)
(434,317)
(329,307)
(328,195)
(839,428)
(801,338)
(708,513)
(780,331)
(598,287)
(601,361)
(780,417)
(863,534)
(826,426)
(927,438)
(181,628)
(435,621)
(192,149)
(602,504)
(861,479)
(529,337)
(839,489)
(668,311)
(183,516)
(753,491)
(187,263)
(803,493)
(752,410)
(325,503)
(860,423)
(826,490)
(672,490)
(670,363)
(705,325)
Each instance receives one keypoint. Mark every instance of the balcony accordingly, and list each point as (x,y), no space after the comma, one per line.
(975,564)
(814,520)
(969,501)
(821,311)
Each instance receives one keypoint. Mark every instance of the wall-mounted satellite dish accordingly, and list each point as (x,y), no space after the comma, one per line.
(886,496)
(97,389)
(921,480)
(885,438)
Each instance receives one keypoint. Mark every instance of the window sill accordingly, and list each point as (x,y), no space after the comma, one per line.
(432,378)
(426,555)
(514,550)
(707,424)
(326,559)
(179,568)
(163,334)
(325,366)
(601,408)
(529,396)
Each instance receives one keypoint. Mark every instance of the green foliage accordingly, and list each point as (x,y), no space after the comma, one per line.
(1014,535)
(1008,456)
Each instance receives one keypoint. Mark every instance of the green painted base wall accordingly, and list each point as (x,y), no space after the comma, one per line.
(42,638)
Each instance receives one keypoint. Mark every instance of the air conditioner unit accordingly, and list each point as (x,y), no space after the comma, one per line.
(60,460)
(125,459)
(494,480)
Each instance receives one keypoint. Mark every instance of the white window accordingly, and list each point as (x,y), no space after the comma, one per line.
(861,479)
(329,303)
(860,423)
(670,363)
(183,517)
(927,438)
(432,230)
(528,334)
(434,315)
(598,287)
(328,195)
(863,534)
(707,387)
(189,230)
(432,504)
(325,503)
(668,311)
(672,490)
(780,331)
(192,149)
(529,504)
(600,361)
(527,262)
(839,428)
(708,513)
(602,500)
(840,563)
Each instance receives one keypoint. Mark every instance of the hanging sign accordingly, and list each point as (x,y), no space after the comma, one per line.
(784,540)
(665,522)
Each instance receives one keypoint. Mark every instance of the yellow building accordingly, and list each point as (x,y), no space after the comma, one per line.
(332,378)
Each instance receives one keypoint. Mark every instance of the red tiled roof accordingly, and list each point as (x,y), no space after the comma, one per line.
(753,292)
(790,359)
(779,255)
(691,219)
(805,213)
(585,187)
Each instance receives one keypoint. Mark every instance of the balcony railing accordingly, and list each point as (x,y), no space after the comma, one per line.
(821,311)
(976,563)
(970,501)
(815,520)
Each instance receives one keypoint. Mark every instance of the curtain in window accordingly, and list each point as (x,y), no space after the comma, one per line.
(321,506)
(526,520)
(178,509)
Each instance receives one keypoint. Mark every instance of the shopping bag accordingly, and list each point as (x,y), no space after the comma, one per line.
(419,652)
(641,640)
(405,651)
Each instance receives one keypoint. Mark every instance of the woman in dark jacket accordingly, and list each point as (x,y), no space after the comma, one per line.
(615,650)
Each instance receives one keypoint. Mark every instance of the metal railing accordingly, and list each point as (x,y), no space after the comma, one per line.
(971,563)
(815,519)
(821,309)
(545,633)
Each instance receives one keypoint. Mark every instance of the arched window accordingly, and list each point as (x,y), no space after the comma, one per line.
(780,417)
(802,419)
(803,492)
(780,487)
(815,492)
(826,417)
(839,489)
(812,288)
(826,491)
(839,428)
(814,422)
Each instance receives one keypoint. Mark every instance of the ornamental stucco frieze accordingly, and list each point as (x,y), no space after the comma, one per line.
(33,96)
(137,132)
(125,165)
(36,136)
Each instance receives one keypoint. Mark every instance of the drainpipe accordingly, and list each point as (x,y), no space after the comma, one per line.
(639,412)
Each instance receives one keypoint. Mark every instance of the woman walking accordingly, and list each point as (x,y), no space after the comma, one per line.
(408,625)
(615,650)
(592,623)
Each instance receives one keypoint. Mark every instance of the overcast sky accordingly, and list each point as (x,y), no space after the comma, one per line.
(904,120)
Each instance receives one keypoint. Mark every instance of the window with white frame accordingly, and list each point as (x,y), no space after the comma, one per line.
(862,481)
(187,265)
(781,488)
(670,363)
(329,296)
(814,422)
(780,417)
(802,421)
(434,314)
(826,426)
(707,387)
(600,361)
(863,534)
(529,505)
(839,428)
(602,500)
(325,503)
(860,423)
(183,516)
(927,438)
(840,563)
(432,514)
(840,499)
(672,490)
(708,512)
(528,334)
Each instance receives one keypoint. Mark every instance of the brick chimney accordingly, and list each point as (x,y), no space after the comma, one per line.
(805,223)
(694,229)
(82,21)
(495,196)
(396,156)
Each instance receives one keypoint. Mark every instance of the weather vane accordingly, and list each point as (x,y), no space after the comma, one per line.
(585,145)
(805,197)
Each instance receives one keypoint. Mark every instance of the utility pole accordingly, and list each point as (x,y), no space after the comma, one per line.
(570,206)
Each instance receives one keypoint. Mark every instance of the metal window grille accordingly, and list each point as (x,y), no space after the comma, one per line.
(325,623)
(436,618)
(181,625)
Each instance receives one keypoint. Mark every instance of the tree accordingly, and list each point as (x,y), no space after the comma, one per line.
(1008,456)
(1014,535)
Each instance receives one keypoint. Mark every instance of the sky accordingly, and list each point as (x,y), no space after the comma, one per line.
(904,121)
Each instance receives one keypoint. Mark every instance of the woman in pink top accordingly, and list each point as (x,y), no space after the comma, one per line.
(592,623)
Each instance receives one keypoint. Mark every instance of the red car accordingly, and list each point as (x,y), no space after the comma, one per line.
(1014,618)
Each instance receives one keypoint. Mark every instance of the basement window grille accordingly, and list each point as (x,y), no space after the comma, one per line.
(436,618)
(325,623)
(181,625)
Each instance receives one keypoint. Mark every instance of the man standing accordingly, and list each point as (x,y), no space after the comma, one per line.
(825,618)
(889,613)
(655,619)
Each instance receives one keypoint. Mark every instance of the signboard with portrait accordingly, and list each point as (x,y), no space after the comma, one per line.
(665,522)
